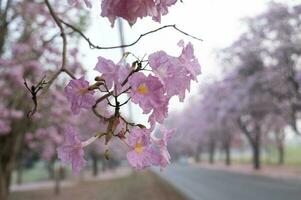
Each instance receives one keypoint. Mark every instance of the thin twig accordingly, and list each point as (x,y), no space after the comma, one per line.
(35,89)
(63,35)
(64,49)
(125,101)
(97,102)
(130,44)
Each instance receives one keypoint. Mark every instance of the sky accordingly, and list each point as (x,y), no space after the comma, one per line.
(217,22)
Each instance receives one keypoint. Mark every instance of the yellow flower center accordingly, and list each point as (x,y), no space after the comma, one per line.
(142,89)
(139,147)
(83,90)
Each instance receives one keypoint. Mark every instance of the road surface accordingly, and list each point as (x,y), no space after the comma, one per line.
(205,184)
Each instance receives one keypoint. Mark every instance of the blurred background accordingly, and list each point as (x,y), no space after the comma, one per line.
(238,133)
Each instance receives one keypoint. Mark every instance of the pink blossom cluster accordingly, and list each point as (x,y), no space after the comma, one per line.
(6,116)
(149,84)
(31,49)
(131,10)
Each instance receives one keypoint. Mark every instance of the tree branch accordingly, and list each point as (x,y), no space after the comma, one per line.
(97,102)
(63,35)
(34,90)
(92,45)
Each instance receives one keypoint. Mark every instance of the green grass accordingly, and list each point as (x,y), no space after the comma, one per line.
(137,186)
(37,173)
(292,156)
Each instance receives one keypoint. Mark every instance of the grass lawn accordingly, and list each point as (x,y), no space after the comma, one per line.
(37,173)
(292,156)
(137,186)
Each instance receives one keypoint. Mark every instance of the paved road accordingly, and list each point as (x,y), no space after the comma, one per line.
(204,184)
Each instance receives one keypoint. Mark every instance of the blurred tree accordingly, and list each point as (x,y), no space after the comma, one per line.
(259,94)
(28,49)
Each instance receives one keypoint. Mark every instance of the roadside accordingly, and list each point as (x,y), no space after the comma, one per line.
(49,184)
(274,171)
(134,186)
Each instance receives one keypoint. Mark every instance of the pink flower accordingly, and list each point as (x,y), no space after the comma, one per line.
(131,10)
(79,95)
(29,137)
(54,136)
(41,133)
(162,8)
(48,152)
(175,72)
(142,155)
(189,61)
(75,2)
(17,114)
(159,114)
(72,150)
(148,92)
(113,74)
(161,143)
(4,127)
(171,74)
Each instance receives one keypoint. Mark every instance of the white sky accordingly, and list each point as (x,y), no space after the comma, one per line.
(217,22)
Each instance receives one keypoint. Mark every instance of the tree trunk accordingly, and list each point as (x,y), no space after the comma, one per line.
(280,154)
(256,151)
(50,169)
(198,157)
(256,158)
(228,155)
(7,161)
(20,172)
(4,25)
(280,137)
(254,140)
(211,152)
(11,145)
(59,176)
(57,185)
(3,33)
(198,154)
(4,183)
(226,139)
(103,164)
(94,164)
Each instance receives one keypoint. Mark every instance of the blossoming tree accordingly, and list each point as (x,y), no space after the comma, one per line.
(259,94)
(148,82)
(28,44)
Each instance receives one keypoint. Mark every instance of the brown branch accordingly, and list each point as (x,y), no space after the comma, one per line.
(8,4)
(63,35)
(125,45)
(125,91)
(45,42)
(55,75)
(64,51)
(131,123)
(69,73)
(125,102)
(35,89)
(97,102)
